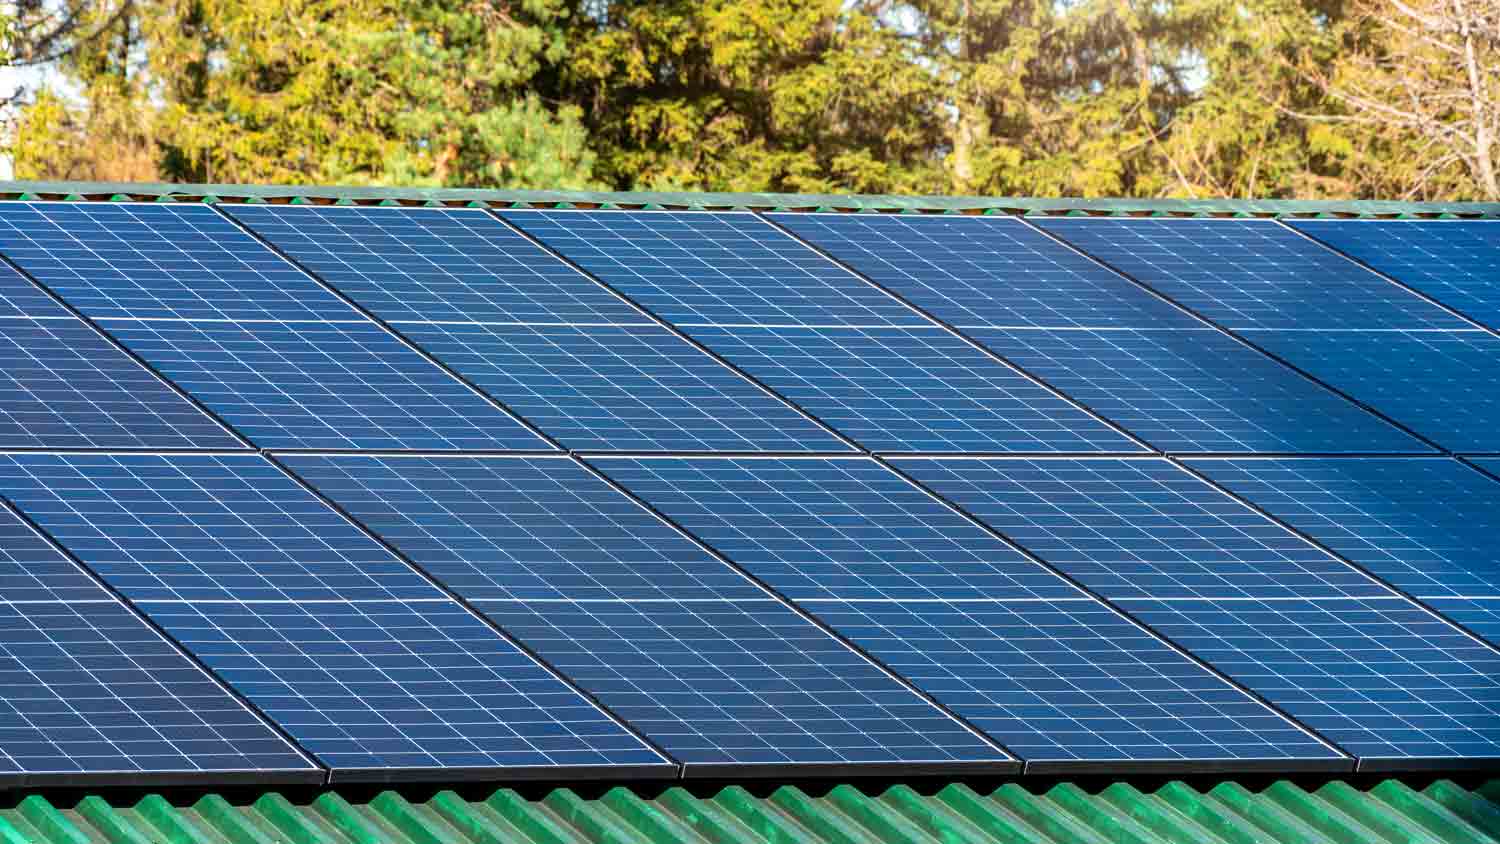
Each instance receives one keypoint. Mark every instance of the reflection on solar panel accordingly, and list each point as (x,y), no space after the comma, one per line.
(1425,526)
(1444,385)
(1185,391)
(86,688)
(968,619)
(361,660)
(552,344)
(1456,262)
(685,648)
(1250,274)
(1340,652)
(911,389)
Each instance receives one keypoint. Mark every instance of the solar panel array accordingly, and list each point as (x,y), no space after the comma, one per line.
(331,494)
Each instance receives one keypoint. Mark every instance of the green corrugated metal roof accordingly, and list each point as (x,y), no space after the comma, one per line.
(759,201)
(1228,813)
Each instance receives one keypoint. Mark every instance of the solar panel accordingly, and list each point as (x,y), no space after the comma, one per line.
(984,271)
(675,641)
(897,572)
(1444,385)
(64,386)
(1250,274)
(19,297)
(1425,526)
(435,265)
(693,268)
(1140,528)
(1456,262)
(1386,680)
(1195,390)
(362,661)
(1332,647)
(87,689)
(911,389)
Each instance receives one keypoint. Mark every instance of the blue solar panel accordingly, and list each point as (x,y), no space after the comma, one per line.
(1250,274)
(356,655)
(836,528)
(738,683)
(64,386)
(1140,528)
(627,388)
(430,264)
(1060,681)
(1382,678)
(1456,262)
(1479,614)
(32,570)
(521,528)
(157,261)
(1444,385)
(383,685)
(1426,526)
(911,389)
(86,688)
(19,297)
(321,385)
(989,271)
(695,268)
(1195,390)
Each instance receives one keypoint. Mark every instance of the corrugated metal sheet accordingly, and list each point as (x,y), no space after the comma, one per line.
(760,201)
(1334,813)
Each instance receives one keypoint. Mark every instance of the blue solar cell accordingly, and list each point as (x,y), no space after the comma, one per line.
(158,260)
(521,528)
(321,385)
(1140,528)
(833,528)
(1383,678)
(87,688)
(203,528)
(990,271)
(897,389)
(19,297)
(1456,262)
(387,685)
(429,264)
(697,268)
(1443,385)
(1426,526)
(1250,274)
(64,386)
(1196,390)
(738,683)
(629,388)
(1068,681)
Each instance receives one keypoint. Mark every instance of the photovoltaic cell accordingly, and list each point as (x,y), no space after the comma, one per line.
(1068,681)
(157,261)
(1424,526)
(351,651)
(627,388)
(521,528)
(322,385)
(695,268)
(984,271)
(88,689)
(836,528)
(1250,274)
(1195,390)
(1456,262)
(1382,678)
(721,683)
(1444,385)
(64,386)
(432,265)
(1140,528)
(911,389)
